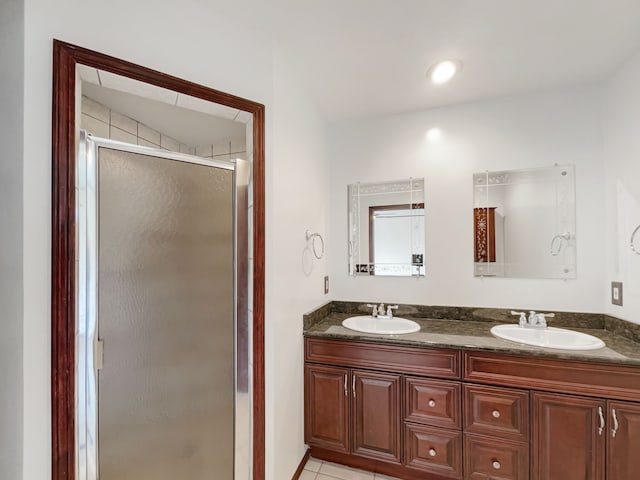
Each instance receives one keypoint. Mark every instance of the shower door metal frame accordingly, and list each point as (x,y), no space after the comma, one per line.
(88,345)
(64,254)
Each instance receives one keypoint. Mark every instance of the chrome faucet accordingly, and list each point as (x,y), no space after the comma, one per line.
(380,312)
(535,320)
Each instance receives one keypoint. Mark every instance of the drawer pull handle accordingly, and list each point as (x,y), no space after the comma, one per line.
(432,452)
(353,385)
(345,385)
(614,431)
(431,403)
(601,421)
(496,465)
(495,414)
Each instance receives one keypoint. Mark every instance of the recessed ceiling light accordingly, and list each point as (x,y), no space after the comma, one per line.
(434,134)
(444,71)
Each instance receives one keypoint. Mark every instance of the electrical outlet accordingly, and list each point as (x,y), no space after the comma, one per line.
(616,293)
(326,284)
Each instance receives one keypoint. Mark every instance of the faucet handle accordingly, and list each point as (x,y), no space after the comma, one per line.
(390,309)
(542,320)
(523,317)
(374,313)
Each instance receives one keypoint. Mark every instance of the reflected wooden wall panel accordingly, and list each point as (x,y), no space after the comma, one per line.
(484,234)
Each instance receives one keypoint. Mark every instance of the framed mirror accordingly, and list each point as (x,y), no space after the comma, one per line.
(524,223)
(132,116)
(386,228)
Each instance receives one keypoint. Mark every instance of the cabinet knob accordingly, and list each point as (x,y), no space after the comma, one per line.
(431,403)
(496,414)
(496,465)
(432,452)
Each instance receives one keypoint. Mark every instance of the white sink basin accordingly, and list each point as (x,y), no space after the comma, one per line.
(549,337)
(368,324)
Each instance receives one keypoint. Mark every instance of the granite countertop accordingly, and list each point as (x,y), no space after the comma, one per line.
(474,334)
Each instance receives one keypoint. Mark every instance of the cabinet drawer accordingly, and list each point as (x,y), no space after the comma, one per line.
(436,362)
(563,376)
(432,402)
(501,412)
(434,450)
(495,459)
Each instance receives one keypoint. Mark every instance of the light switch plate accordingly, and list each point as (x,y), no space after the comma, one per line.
(616,293)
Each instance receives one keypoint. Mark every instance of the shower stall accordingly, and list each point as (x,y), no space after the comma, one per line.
(163,385)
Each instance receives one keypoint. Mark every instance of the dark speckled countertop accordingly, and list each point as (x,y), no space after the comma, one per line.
(472,331)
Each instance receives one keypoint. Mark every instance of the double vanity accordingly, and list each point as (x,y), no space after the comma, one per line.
(455,401)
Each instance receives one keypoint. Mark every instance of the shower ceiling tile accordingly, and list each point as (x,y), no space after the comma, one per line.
(149,134)
(134,87)
(88,74)
(122,136)
(222,147)
(237,145)
(169,143)
(95,109)
(124,123)
(204,150)
(215,109)
(146,143)
(243,116)
(94,126)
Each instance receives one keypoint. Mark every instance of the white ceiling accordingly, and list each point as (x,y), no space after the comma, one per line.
(369,57)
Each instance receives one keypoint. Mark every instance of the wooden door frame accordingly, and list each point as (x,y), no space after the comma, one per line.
(63,242)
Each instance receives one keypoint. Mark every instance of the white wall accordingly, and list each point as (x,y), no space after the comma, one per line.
(299,202)
(506,133)
(11,288)
(622,166)
(188,40)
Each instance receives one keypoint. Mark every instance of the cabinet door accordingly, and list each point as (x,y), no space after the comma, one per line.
(568,437)
(326,423)
(376,415)
(623,445)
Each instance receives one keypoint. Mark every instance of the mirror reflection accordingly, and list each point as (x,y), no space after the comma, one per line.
(524,223)
(167,189)
(386,228)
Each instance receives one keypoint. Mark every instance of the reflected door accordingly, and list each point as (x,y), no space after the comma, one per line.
(165,318)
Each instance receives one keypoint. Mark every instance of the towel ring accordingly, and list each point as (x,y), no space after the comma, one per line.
(633,241)
(556,243)
(312,237)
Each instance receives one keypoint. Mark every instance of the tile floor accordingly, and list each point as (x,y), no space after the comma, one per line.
(319,470)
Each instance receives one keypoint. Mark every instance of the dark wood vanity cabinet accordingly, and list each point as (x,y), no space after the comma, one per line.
(568,437)
(375,419)
(353,411)
(326,420)
(585,438)
(623,440)
(496,432)
(432,426)
(429,413)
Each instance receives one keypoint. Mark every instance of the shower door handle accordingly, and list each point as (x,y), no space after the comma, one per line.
(98,355)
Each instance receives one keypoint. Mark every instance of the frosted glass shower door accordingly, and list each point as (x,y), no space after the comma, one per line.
(165,304)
